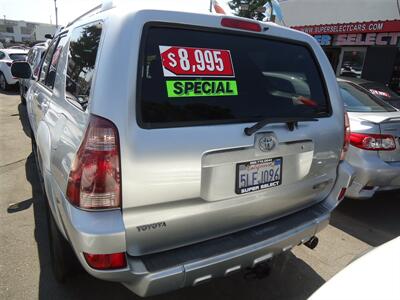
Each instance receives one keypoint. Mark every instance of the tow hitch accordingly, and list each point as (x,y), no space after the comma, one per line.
(260,271)
(312,243)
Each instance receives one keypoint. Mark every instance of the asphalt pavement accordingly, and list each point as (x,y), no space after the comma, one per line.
(25,270)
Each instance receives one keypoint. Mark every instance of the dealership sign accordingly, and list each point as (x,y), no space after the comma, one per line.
(359,39)
(359,27)
(380,33)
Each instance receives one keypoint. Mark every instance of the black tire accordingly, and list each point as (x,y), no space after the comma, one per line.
(21,94)
(38,167)
(63,260)
(4,86)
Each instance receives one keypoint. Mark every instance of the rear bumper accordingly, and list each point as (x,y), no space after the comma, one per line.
(372,172)
(12,81)
(192,265)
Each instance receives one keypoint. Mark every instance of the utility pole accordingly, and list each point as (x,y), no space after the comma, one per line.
(55,7)
(211,5)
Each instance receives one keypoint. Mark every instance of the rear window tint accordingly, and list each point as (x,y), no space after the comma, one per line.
(18,56)
(192,77)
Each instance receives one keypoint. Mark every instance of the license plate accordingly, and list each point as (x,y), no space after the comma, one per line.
(258,175)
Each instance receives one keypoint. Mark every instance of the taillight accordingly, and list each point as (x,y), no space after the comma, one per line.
(95,180)
(241,24)
(106,261)
(381,142)
(347,134)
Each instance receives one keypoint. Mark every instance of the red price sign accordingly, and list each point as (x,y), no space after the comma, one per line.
(186,61)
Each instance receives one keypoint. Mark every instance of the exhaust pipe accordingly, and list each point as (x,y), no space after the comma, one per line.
(312,243)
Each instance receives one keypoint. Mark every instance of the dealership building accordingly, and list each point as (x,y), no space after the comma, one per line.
(361,38)
(12,31)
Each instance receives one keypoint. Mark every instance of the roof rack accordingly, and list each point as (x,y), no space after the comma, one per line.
(94,10)
(106,5)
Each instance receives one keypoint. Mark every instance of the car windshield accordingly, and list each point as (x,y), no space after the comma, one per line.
(357,99)
(192,77)
(18,56)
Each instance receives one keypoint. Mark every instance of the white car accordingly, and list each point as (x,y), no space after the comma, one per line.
(376,275)
(7,56)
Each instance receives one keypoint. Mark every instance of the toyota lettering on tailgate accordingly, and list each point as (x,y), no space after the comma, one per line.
(187,62)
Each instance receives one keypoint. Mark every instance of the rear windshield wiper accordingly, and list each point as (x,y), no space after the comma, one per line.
(291,123)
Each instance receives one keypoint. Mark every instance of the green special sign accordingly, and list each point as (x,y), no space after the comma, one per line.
(201,88)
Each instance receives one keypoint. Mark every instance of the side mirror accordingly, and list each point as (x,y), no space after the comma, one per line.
(21,69)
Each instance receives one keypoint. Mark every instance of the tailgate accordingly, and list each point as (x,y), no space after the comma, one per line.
(190,173)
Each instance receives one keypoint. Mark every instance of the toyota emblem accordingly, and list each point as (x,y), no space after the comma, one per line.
(266,143)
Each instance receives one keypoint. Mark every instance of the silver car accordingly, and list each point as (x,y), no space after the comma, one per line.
(168,158)
(374,149)
(34,58)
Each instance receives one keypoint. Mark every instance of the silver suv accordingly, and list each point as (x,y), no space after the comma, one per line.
(34,58)
(176,147)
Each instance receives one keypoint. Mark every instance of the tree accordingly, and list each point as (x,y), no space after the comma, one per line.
(251,12)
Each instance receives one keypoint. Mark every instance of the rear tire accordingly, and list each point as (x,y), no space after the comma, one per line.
(4,86)
(63,260)
(21,93)
(62,257)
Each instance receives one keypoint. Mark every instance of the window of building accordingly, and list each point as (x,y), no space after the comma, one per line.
(26,30)
(82,55)
(352,62)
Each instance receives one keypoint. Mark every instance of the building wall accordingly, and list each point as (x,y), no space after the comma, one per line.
(44,29)
(22,31)
(310,12)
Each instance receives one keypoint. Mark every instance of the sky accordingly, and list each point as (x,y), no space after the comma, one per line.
(43,10)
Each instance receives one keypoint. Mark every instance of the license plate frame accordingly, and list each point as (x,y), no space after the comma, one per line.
(259,186)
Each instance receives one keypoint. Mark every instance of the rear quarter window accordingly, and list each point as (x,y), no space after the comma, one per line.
(196,77)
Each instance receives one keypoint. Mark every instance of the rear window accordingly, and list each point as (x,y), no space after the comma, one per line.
(18,56)
(357,99)
(380,90)
(192,77)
